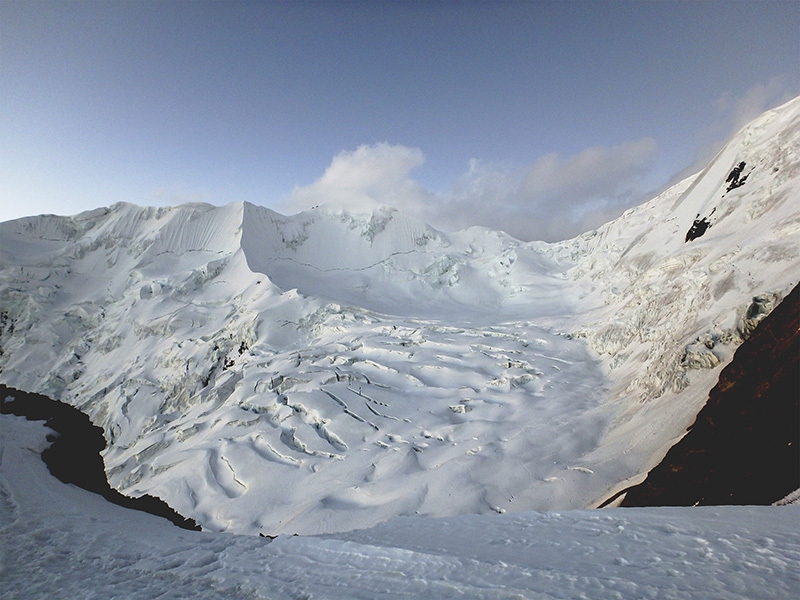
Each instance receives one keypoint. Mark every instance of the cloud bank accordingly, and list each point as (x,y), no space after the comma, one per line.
(368,177)
(554,198)
(756,100)
(551,199)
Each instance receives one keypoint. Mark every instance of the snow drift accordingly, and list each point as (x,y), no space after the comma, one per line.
(326,371)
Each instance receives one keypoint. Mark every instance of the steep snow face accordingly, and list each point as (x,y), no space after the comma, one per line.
(327,371)
(674,311)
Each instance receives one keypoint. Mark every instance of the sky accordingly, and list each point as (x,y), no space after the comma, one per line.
(542,119)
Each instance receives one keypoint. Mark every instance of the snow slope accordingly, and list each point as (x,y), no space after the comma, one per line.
(328,371)
(675,311)
(62,542)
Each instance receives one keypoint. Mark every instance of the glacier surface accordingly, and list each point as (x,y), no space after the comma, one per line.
(327,371)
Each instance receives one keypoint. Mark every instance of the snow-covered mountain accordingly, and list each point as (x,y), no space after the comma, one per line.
(326,371)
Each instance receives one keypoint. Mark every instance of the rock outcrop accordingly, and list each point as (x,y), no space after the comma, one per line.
(744,447)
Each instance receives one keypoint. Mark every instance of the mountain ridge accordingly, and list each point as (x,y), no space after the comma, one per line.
(224,348)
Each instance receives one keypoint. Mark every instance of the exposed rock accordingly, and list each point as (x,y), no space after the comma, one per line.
(74,456)
(744,447)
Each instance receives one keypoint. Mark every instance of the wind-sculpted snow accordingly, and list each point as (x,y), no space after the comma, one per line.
(327,371)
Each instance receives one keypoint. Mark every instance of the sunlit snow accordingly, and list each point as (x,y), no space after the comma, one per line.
(59,541)
(328,372)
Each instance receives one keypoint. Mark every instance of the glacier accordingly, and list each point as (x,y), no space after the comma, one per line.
(328,371)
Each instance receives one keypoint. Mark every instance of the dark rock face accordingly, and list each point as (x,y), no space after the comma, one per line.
(744,447)
(74,456)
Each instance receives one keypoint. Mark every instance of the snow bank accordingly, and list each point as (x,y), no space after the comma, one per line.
(674,312)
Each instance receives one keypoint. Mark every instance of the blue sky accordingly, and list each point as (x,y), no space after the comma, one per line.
(543,119)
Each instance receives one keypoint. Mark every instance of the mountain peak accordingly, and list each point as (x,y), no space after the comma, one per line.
(328,370)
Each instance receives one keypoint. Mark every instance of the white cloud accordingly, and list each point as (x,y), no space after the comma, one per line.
(365,178)
(553,198)
(756,100)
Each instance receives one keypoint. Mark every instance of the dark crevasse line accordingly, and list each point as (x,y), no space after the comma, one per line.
(744,446)
(74,455)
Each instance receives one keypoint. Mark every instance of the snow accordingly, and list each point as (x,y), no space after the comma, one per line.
(431,412)
(62,542)
(665,299)
(256,408)
(328,371)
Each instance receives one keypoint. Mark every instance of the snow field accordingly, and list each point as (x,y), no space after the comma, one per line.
(328,371)
(62,542)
